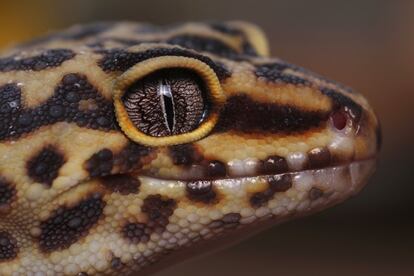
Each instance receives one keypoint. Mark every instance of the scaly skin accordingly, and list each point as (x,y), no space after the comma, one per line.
(78,196)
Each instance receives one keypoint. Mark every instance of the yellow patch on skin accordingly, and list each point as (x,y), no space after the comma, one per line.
(33,82)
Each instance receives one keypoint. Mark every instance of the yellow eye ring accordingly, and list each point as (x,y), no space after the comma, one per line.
(146,67)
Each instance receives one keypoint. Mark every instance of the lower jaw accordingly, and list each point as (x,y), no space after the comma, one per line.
(311,191)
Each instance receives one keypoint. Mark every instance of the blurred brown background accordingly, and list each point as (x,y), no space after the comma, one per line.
(366,44)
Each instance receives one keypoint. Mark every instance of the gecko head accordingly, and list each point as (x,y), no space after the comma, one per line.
(156,148)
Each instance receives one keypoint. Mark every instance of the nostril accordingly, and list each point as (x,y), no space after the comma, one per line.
(339,119)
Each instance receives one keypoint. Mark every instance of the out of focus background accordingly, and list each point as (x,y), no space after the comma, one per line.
(367,44)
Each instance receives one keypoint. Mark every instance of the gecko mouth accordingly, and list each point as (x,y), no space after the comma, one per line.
(333,184)
(250,168)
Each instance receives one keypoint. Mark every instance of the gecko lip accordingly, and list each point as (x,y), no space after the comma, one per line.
(323,187)
(251,168)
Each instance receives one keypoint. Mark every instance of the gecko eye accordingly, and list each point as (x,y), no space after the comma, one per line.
(167,102)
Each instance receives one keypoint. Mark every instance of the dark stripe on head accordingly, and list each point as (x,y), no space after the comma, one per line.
(274,72)
(47,59)
(225,28)
(10,105)
(242,114)
(63,106)
(205,44)
(247,47)
(68,224)
(121,60)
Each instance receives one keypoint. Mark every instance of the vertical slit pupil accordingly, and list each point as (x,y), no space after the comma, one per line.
(167,101)
(169,110)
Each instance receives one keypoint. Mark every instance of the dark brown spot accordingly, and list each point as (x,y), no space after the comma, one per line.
(201,191)
(116,263)
(242,114)
(229,220)
(121,60)
(137,232)
(280,184)
(216,169)
(121,183)
(158,210)
(82,274)
(100,164)
(63,106)
(7,193)
(47,59)
(185,155)
(274,165)
(67,225)
(276,184)
(130,157)
(8,246)
(319,158)
(216,224)
(44,166)
(315,193)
